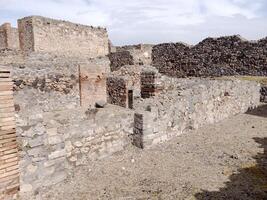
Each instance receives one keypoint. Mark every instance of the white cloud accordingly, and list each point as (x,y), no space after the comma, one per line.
(133,21)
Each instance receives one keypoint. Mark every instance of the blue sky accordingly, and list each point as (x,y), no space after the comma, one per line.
(151,21)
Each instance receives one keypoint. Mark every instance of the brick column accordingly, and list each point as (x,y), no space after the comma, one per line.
(9,172)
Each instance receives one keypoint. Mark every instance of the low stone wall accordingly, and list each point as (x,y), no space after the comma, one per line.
(54,143)
(191,105)
(224,56)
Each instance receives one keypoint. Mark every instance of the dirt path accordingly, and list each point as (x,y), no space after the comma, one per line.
(221,161)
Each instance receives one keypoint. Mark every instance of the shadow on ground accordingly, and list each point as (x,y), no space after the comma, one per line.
(248,183)
(260,111)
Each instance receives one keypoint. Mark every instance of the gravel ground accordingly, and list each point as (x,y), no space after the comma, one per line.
(221,161)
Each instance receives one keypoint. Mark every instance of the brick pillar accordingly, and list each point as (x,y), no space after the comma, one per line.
(148,84)
(9,172)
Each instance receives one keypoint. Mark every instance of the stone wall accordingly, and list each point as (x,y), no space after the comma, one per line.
(56,134)
(212,57)
(8,37)
(141,53)
(192,104)
(60,37)
(263,94)
(117,91)
(54,143)
(9,169)
(119,59)
(93,75)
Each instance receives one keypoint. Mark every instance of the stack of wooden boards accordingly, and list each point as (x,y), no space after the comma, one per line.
(9,171)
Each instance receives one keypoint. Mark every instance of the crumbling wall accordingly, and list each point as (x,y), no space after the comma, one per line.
(141,53)
(60,37)
(119,59)
(196,103)
(117,91)
(8,37)
(54,143)
(212,57)
(93,75)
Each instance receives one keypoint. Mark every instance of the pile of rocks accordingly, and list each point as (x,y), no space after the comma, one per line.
(222,56)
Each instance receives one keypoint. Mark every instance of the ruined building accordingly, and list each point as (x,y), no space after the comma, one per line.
(67,96)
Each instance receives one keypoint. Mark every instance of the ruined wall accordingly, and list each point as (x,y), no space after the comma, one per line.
(117,91)
(141,53)
(55,143)
(60,37)
(191,105)
(119,59)
(212,57)
(8,37)
(9,169)
(55,133)
(93,75)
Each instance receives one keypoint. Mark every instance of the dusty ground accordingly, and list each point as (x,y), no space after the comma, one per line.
(221,161)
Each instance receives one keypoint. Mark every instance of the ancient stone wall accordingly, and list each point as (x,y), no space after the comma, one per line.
(8,37)
(212,57)
(192,104)
(119,59)
(93,75)
(117,91)
(9,169)
(60,37)
(141,53)
(55,143)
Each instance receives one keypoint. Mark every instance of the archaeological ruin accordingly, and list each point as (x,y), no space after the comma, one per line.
(68,96)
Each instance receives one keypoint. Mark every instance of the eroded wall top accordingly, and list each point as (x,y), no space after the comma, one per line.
(42,34)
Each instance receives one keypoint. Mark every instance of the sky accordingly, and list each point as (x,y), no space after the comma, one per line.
(151,21)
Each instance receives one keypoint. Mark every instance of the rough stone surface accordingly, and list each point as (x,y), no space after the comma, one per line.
(41,34)
(212,57)
(119,59)
(9,38)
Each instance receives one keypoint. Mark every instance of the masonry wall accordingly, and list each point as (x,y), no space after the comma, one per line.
(41,34)
(55,133)
(8,37)
(212,57)
(117,91)
(196,103)
(141,53)
(119,59)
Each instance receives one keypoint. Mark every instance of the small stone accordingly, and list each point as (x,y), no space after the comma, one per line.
(31,168)
(132,161)
(78,144)
(73,159)
(100,104)
(25,188)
